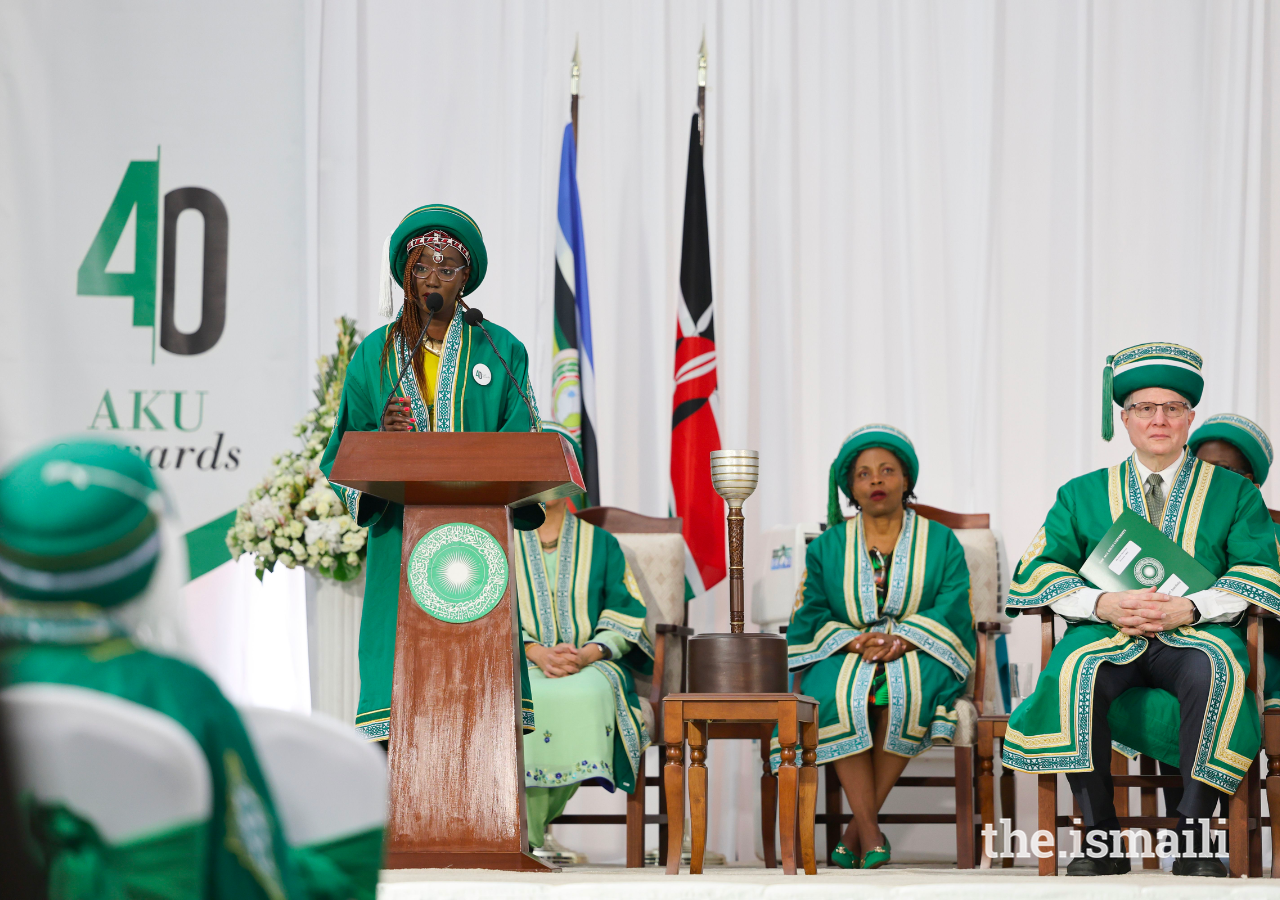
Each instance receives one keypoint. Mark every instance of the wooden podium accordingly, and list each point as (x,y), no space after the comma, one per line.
(457,749)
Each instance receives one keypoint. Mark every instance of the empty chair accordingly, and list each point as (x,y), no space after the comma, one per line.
(118,796)
(330,788)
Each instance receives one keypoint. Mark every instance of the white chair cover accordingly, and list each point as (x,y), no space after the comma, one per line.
(327,783)
(128,769)
(657,561)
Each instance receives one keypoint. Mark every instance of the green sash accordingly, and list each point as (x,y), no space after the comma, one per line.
(78,865)
(341,869)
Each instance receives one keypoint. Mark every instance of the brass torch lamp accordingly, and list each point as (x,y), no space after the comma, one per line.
(738,662)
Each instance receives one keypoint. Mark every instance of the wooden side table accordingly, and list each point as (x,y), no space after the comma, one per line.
(704,716)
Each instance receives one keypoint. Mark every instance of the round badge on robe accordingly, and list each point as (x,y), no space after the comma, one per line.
(480,372)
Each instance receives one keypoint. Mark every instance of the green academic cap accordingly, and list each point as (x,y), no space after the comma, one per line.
(867,436)
(434,217)
(1160,364)
(78,523)
(1241,433)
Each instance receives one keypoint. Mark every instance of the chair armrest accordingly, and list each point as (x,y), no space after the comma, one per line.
(993,627)
(679,630)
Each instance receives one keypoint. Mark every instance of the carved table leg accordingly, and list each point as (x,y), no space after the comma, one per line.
(697,793)
(768,807)
(674,777)
(808,796)
(787,778)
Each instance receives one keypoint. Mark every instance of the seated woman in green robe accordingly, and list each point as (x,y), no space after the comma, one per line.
(882,635)
(455,383)
(584,633)
(89,574)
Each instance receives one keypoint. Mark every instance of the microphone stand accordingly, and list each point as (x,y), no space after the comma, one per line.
(475,319)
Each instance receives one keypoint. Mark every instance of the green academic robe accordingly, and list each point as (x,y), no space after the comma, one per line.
(927,603)
(1216,516)
(595,598)
(247,854)
(461,403)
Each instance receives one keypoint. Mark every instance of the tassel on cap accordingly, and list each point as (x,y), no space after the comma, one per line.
(834,514)
(385,282)
(1108,416)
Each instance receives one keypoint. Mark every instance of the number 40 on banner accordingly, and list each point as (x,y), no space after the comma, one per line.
(139,193)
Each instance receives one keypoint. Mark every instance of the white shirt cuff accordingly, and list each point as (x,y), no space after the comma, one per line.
(1218,606)
(1079,605)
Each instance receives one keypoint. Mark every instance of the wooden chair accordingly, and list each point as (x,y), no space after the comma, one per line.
(654,547)
(1269,630)
(982,717)
(1243,822)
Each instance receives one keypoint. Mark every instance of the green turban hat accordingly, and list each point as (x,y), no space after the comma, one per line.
(1241,433)
(1162,365)
(433,217)
(78,523)
(864,438)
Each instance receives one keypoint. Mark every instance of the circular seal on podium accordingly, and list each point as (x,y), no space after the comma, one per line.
(457,572)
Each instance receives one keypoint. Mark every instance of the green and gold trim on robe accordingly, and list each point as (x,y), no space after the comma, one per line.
(927,602)
(595,598)
(1213,514)
(461,404)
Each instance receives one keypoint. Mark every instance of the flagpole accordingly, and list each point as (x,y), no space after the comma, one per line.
(702,91)
(574,68)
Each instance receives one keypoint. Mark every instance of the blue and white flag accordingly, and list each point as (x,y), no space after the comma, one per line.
(573,363)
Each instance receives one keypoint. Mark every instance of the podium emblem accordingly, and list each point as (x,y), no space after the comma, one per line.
(457,572)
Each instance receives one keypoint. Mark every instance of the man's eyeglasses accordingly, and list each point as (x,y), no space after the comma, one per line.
(445,273)
(1174,409)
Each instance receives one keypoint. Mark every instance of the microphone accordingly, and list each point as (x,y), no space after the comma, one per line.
(434,303)
(475,319)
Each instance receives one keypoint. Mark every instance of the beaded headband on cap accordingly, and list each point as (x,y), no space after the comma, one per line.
(437,240)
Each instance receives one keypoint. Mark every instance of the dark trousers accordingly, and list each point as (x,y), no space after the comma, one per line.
(1182,671)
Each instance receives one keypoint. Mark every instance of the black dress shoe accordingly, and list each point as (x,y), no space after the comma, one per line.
(1205,868)
(1085,865)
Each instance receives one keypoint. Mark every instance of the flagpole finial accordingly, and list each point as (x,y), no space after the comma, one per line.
(702,61)
(575,68)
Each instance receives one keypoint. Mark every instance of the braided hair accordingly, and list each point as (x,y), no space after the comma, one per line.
(409,326)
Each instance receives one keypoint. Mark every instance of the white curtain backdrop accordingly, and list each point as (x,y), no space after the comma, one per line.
(939,215)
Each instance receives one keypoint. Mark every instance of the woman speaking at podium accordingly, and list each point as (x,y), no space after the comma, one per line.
(455,382)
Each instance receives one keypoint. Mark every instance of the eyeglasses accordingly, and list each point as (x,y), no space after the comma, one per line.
(445,273)
(1172,410)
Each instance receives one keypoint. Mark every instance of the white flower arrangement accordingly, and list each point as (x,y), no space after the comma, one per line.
(292,516)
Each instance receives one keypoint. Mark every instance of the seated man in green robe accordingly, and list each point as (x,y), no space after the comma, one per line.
(454,383)
(583,620)
(882,636)
(89,574)
(1122,646)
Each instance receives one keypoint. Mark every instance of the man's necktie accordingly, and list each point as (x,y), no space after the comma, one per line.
(1155,499)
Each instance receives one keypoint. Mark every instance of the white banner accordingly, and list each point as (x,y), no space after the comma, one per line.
(152,238)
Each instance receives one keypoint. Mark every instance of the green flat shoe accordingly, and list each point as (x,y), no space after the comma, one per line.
(877,856)
(843,857)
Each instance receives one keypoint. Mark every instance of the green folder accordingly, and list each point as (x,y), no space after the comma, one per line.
(1135,554)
